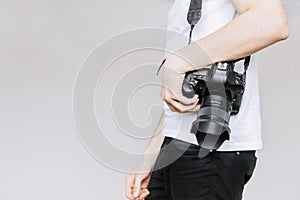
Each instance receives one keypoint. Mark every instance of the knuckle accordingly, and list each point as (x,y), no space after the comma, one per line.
(184,110)
(181,110)
(167,100)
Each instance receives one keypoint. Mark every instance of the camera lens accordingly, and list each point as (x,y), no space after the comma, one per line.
(212,124)
(220,90)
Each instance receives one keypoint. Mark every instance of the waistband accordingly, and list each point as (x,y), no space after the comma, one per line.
(192,147)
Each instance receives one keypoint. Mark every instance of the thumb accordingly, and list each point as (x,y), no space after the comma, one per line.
(137,187)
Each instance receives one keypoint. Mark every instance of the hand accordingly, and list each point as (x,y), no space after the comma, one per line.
(136,185)
(174,70)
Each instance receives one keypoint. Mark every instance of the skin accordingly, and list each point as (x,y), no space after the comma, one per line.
(261,23)
(137,182)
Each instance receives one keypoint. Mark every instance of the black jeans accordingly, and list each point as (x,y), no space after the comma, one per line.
(179,173)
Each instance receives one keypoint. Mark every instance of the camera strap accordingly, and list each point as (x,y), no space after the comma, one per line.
(246,63)
(194,15)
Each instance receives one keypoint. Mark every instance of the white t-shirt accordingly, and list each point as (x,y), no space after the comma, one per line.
(246,125)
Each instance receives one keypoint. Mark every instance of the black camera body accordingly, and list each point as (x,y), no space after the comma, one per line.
(220,90)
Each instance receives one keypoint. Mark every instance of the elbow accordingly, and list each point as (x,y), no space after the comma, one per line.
(283,29)
(276,30)
(274,22)
(285,32)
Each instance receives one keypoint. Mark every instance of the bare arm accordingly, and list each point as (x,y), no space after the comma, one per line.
(152,149)
(137,181)
(260,24)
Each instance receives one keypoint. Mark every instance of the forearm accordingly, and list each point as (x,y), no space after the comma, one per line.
(153,147)
(260,24)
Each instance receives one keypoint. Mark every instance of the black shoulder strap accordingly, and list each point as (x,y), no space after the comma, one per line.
(194,15)
(246,62)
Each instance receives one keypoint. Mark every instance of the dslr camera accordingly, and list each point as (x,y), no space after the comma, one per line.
(220,90)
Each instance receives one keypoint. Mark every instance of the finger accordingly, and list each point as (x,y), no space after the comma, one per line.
(188,101)
(162,95)
(197,108)
(129,187)
(179,106)
(182,99)
(172,108)
(146,180)
(145,193)
(182,110)
(137,188)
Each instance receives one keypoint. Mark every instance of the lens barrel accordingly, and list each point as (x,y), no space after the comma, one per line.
(212,124)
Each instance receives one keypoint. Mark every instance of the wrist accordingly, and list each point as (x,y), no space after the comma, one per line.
(147,163)
(194,56)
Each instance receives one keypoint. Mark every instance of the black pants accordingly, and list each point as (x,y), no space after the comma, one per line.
(179,173)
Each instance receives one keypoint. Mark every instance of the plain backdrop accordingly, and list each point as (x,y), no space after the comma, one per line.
(43,43)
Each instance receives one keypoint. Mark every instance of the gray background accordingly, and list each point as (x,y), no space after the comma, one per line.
(42,45)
